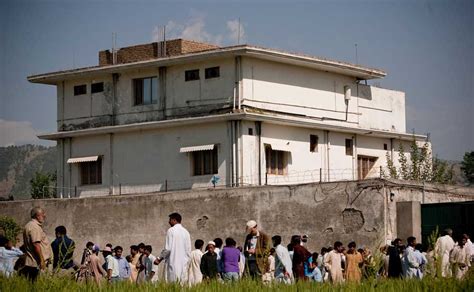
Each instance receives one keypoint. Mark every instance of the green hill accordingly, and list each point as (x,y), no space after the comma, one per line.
(18,165)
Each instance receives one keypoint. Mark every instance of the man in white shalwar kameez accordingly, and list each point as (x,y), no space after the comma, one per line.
(410,265)
(460,258)
(194,266)
(443,247)
(283,264)
(177,251)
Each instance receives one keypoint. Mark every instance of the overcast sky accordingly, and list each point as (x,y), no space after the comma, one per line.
(426,47)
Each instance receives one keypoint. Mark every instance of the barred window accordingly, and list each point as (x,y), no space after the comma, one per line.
(277,161)
(97,87)
(205,162)
(80,89)
(91,172)
(190,75)
(212,72)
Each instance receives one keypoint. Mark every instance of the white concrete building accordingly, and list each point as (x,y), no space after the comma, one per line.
(167,116)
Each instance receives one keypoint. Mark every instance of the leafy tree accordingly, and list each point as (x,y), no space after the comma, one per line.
(9,228)
(41,185)
(467,166)
(420,166)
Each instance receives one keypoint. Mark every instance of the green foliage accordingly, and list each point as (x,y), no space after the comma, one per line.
(442,171)
(392,170)
(49,283)
(434,267)
(9,228)
(41,185)
(419,166)
(467,166)
(404,172)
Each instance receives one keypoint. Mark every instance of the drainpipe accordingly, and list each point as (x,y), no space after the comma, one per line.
(240,153)
(258,130)
(354,155)
(70,168)
(62,168)
(238,82)
(328,148)
(232,157)
(236,161)
(111,163)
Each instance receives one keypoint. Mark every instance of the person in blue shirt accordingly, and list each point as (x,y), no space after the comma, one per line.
(63,250)
(313,272)
(8,255)
(421,258)
(123,265)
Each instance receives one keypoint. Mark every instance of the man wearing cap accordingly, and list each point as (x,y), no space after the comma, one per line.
(256,250)
(209,262)
(94,266)
(113,272)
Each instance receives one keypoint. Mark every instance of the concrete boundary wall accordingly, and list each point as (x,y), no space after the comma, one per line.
(363,211)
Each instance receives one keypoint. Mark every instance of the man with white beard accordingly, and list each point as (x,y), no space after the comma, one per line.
(177,250)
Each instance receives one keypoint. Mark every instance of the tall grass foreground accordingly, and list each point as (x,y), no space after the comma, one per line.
(51,283)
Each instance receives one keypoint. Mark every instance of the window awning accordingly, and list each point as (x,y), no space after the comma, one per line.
(83,159)
(280,146)
(196,148)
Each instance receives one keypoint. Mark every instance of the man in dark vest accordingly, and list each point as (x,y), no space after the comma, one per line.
(256,251)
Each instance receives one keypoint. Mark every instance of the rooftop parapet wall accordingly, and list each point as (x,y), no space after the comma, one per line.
(150,51)
(345,211)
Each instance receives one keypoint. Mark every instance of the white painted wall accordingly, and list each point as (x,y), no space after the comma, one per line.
(385,110)
(142,161)
(181,97)
(88,105)
(304,91)
(203,91)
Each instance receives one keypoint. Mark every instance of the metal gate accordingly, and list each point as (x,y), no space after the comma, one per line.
(458,216)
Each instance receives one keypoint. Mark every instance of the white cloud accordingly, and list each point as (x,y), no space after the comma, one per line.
(18,133)
(195,29)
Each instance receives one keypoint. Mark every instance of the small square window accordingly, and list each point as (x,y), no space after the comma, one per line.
(349,150)
(250,132)
(190,75)
(97,87)
(313,143)
(80,89)
(212,72)
(385,146)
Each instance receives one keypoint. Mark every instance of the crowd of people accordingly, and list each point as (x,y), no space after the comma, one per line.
(260,258)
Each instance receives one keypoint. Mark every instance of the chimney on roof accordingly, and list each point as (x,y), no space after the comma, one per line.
(162,49)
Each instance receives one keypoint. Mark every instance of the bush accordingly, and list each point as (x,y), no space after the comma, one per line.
(9,228)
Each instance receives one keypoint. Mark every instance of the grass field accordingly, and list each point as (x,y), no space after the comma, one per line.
(48,283)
